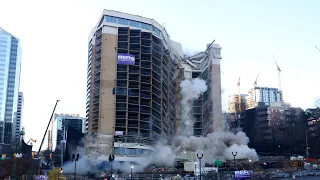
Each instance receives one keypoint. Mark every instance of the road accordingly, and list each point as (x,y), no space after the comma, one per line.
(302,178)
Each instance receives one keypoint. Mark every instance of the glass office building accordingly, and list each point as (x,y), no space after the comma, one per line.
(10,61)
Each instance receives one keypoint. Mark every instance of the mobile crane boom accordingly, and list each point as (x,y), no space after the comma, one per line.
(54,109)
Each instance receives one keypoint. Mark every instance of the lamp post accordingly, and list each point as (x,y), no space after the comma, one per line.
(234,158)
(111,159)
(131,172)
(250,168)
(307,148)
(152,173)
(200,157)
(75,159)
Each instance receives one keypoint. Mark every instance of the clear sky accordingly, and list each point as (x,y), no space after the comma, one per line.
(54,39)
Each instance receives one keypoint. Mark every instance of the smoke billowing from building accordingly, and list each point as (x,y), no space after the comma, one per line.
(216,145)
(190,91)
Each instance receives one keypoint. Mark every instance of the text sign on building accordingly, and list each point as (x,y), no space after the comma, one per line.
(119,133)
(126,59)
(242,174)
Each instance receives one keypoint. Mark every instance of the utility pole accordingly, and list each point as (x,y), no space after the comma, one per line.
(307,148)
(200,157)
(63,142)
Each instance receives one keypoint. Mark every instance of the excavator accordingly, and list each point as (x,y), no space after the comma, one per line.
(32,141)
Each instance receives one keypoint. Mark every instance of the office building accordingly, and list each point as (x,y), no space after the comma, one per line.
(18,119)
(133,84)
(233,103)
(10,62)
(59,128)
(264,96)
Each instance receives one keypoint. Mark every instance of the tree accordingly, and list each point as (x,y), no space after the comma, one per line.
(55,174)
(289,129)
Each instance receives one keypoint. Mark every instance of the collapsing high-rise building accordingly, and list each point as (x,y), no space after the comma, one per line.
(134,73)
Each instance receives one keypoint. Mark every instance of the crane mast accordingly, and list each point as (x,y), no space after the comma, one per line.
(239,96)
(253,93)
(279,78)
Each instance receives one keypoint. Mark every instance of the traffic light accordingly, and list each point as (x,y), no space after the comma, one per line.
(73,157)
(50,155)
(77,157)
(32,154)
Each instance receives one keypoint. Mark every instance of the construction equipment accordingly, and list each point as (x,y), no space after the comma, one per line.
(45,133)
(31,140)
(279,72)
(256,81)
(239,96)
(54,109)
(279,78)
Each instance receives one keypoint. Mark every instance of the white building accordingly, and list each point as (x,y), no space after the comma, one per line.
(264,95)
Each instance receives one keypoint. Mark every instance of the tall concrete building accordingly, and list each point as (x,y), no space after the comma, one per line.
(207,109)
(133,78)
(130,88)
(60,125)
(10,62)
(18,119)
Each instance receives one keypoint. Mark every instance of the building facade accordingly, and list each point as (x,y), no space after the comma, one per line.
(59,128)
(270,127)
(133,85)
(207,109)
(233,103)
(18,119)
(10,63)
(264,95)
(130,98)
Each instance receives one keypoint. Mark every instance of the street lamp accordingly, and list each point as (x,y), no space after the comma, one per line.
(111,159)
(75,159)
(131,172)
(200,157)
(250,167)
(234,158)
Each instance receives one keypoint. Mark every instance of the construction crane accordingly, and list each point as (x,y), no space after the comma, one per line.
(45,133)
(279,72)
(252,92)
(239,96)
(279,80)
(256,81)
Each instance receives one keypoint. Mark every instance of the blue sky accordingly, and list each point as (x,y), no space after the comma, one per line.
(54,38)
